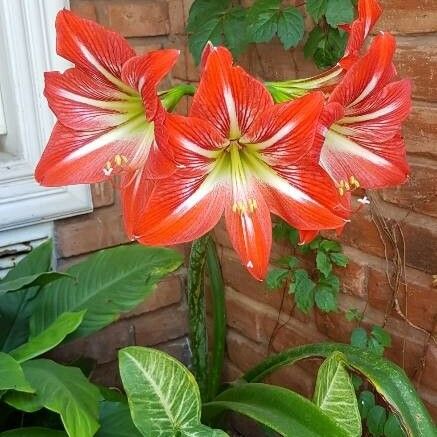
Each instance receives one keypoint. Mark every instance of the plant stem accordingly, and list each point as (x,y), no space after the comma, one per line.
(197,313)
(219,319)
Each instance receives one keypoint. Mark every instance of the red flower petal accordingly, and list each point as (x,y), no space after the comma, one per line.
(74,157)
(227,96)
(81,102)
(251,234)
(306,236)
(180,210)
(305,197)
(285,132)
(143,73)
(368,75)
(97,51)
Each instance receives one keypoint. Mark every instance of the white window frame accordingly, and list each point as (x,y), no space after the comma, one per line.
(27,28)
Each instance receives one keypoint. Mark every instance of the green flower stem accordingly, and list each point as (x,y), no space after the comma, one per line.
(170,98)
(197,313)
(219,319)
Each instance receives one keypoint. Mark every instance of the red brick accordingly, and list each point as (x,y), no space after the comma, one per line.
(419,193)
(230,371)
(166,293)
(176,9)
(294,378)
(90,232)
(84,8)
(160,326)
(420,130)
(107,375)
(416,58)
(178,348)
(408,16)
(430,400)
(138,18)
(103,194)
(421,298)
(427,374)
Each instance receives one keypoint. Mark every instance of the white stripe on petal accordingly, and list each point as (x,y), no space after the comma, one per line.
(234,129)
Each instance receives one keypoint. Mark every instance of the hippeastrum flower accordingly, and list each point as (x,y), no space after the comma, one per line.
(240,154)
(363,145)
(369,12)
(110,119)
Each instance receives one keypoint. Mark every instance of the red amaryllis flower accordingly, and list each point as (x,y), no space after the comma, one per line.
(369,12)
(364,147)
(109,115)
(240,154)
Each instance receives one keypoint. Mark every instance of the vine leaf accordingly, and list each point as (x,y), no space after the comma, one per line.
(317,8)
(291,27)
(339,12)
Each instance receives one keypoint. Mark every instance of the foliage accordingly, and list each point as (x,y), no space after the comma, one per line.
(57,305)
(225,23)
(310,287)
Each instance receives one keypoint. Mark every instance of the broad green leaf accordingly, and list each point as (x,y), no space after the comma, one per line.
(163,395)
(116,421)
(392,427)
(323,263)
(108,283)
(339,259)
(303,289)
(335,394)
(210,30)
(65,324)
(63,390)
(357,382)
(376,420)
(388,379)
(202,10)
(359,338)
(39,279)
(339,12)
(316,8)
(33,432)
(16,308)
(325,299)
(280,409)
(366,401)
(291,27)
(12,376)
(265,27)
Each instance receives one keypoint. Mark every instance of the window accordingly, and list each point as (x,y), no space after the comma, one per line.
(27,50)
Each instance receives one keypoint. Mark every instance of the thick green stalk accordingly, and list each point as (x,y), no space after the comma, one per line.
(219,319)
(171,97)
(197,313)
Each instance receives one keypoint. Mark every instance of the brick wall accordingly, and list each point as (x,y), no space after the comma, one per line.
(406,216)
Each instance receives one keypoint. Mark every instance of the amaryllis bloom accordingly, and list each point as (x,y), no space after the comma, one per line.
(369,12)
(364,147)
(110,119)
(241,155)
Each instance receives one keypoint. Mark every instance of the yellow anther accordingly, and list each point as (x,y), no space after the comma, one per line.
(124,158)
(347,186)
(354,182)
(341,190)
(235,207)
(252,205)
(118,159)
(108,165)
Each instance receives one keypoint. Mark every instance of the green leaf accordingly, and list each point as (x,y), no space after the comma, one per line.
(392,427)
(356,381)
(291,27)
(366,402)
(116,421)
(163,396)
(339,259)
(375,347)
(331,48)
(381,335)
(63,390)
(313,41)
(65,324)
(323,263)
(359,338)
(388,379)
(335,394)
(339,12)
(276,278)
(210,30)
(376,420)
(12,376)
(204,9)
(325,299)
(33,432)
(330,246)
(303,289)
(235,30)
(109,283)
(282,410)
(332,282)
(16,308)
(39,279)
(317,8)
(353,315)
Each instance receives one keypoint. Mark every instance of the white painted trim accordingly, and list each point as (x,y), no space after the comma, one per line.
(3,128)
(27,43)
